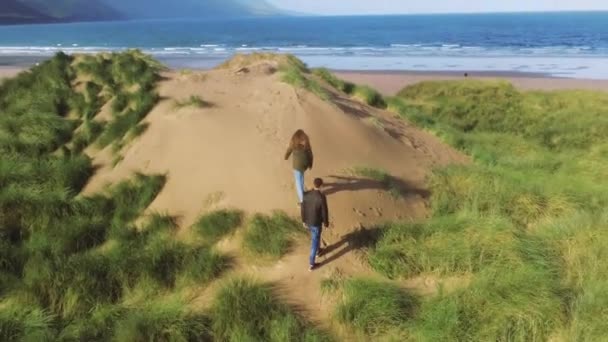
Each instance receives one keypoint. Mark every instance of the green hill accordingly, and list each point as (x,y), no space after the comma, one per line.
(72,10)
(191,8)
(39,11)
(13,12)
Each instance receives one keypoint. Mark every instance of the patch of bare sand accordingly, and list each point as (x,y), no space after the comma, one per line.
(8,72)
(236,146)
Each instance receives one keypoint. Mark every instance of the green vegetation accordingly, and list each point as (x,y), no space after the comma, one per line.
(245,310)
(523,226)
(68,270)
(369,96)
(216,225)
(515,219)
(129,79)
(332,80)
(298,75)
(270,236)
(361,92)
(300,79)
(374,307)
(163,322)
(332,283)
(193,101)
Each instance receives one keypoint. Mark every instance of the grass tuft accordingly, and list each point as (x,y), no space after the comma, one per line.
(270,236)
(331,79)
(375,307)
(295,76)
(193,101)
(162,322)
(370,96)
(245,310)
(216,225)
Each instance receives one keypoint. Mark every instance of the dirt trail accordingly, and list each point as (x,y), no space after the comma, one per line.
(231,155)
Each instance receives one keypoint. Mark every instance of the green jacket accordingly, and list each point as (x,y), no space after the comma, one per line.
(302,158)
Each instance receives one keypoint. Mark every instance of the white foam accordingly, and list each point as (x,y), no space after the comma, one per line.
(571,61)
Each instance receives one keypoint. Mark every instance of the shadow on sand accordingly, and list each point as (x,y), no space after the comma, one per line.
(360,239)
(350,183)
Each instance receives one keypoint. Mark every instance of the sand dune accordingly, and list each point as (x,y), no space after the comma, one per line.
(231,154)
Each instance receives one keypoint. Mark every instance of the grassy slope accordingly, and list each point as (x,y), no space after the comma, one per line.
(526,222)
(527,219)
(67,267)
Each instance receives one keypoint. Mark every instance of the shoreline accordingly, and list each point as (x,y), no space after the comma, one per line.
(389,82)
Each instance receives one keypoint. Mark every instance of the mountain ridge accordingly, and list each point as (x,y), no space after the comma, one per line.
(41,11)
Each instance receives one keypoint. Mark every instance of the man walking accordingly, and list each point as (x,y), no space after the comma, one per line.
(315,215)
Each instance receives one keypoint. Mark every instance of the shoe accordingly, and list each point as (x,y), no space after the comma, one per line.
(320,252)
(312,267)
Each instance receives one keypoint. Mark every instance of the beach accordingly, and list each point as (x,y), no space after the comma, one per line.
(7,72)
(390,82)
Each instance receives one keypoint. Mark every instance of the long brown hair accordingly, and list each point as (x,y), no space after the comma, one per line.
(300,140)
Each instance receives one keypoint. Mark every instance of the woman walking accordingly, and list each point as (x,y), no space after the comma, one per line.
(302,157)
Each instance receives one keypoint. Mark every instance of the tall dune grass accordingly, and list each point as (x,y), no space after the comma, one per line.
(215,225)
(300,77)
(374,307)
(71,266)
(270,236)
(517,222)
(245,310)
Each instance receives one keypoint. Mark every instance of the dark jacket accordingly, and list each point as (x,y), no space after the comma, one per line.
(302,158)
(314,209)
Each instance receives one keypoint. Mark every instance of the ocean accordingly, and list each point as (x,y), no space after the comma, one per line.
(568,44)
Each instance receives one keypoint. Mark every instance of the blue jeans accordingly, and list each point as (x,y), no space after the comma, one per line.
(316,243)
(299,176)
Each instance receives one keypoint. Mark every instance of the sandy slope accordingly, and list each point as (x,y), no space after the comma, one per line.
(231,155)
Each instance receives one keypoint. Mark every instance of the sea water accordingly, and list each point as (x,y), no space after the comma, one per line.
(568,44)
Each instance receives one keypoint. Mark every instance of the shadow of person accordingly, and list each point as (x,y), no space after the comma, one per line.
(390,183)
(343,183)
(360,239)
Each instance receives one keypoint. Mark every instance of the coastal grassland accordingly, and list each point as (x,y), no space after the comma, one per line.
(526,220)
(98,267)
(373,307)
(76,267)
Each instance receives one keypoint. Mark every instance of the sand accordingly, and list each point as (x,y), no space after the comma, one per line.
(390,82)
(7,72)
